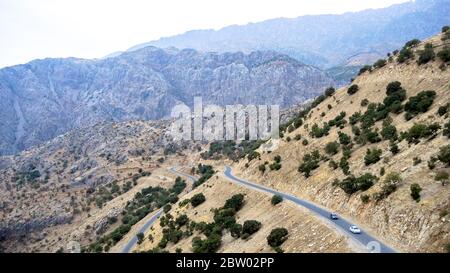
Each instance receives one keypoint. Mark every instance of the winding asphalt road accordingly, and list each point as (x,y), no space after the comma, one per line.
(373,245)
(189,177)
(133,241)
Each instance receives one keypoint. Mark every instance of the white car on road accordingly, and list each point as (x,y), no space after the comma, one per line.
(355,230)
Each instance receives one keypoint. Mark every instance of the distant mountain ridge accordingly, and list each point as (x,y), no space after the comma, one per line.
(45,98)
(323,40)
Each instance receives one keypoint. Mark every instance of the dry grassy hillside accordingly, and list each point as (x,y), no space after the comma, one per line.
(306,232)
(398,219)
(372,155)
(71,188)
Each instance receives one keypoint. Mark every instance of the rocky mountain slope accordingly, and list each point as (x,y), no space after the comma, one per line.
(46,98)
(376,152)
(324,40)
(70,187)
(67,190)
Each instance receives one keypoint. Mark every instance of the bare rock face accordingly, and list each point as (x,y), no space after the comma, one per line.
(24,226)
(101,225)
(46,98)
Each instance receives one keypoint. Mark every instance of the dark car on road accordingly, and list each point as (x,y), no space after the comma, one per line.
(334,216)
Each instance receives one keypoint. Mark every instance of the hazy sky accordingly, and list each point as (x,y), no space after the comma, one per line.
(31,29)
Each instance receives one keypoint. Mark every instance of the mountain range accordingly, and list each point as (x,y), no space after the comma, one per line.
(376,153)
(324,40)
(46,98)
(280,61)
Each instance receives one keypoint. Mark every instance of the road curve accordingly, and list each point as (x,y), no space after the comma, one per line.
(133,241)
(189,177)
(364,238)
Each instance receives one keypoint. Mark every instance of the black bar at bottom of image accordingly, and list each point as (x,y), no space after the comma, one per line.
(243,262)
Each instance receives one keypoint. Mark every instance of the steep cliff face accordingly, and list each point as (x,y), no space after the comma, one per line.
(45,98)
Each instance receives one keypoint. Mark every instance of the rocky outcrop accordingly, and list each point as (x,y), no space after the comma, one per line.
(25,226)
(101,225)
